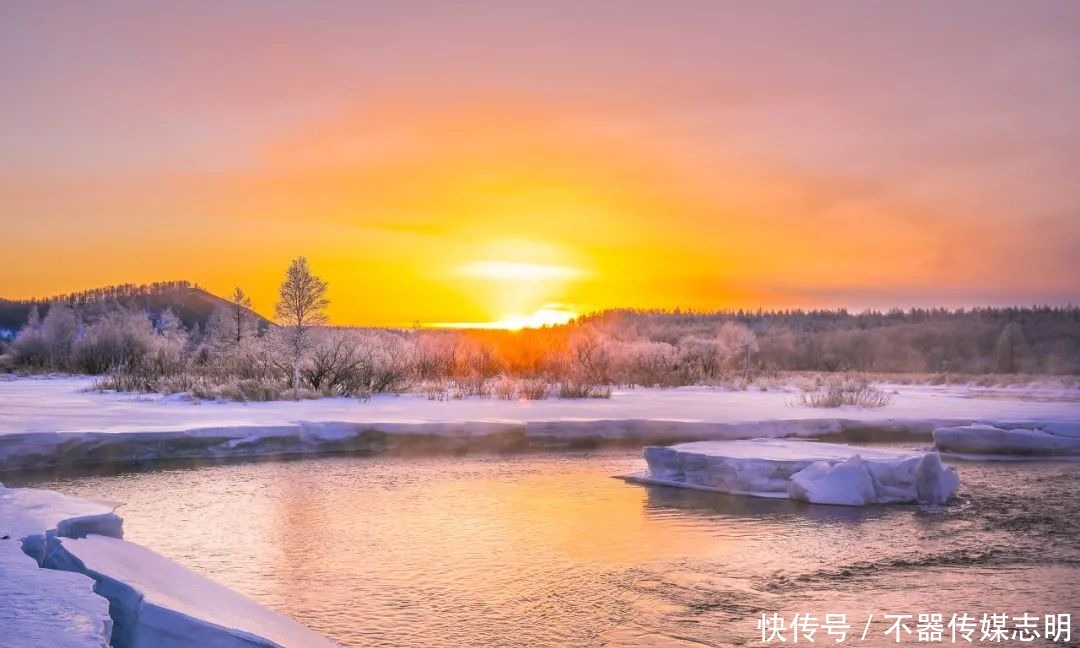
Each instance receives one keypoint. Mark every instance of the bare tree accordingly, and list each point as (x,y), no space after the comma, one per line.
(240,310)
(739,342)
(301,306)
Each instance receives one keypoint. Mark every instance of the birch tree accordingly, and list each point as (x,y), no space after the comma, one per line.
(301,307)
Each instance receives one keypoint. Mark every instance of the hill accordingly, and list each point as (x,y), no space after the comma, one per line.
(191,303)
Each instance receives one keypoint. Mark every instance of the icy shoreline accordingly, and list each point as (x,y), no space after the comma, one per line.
(56,422)
(69,579)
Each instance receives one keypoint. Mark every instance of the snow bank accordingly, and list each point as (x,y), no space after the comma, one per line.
(41,607)
(159,604)
(821,473)
(100,590)
(49,422)
(1011,439)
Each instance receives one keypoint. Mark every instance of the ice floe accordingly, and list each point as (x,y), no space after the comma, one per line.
(1011,440)
(816,472)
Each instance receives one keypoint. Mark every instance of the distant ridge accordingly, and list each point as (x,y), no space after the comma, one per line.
(191,303)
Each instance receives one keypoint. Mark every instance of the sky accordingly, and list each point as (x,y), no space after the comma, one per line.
(519,162)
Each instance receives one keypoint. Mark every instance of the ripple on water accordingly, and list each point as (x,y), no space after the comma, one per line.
(548,550)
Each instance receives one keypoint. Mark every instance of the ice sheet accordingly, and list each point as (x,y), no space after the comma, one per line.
(64,561)
(820,473)
(160,604)
(1035,439)
(41,607)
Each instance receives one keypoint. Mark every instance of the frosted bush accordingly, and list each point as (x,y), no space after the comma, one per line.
(504,388)
(115,339)
(847,390)
(534,388)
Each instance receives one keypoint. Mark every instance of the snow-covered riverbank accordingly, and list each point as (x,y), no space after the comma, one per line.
(48,422)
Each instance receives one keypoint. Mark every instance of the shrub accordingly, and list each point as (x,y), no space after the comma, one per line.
(472,384)
(116,339)
(582,389)
(534,388)
(438,390)
(504,388)
(847,390)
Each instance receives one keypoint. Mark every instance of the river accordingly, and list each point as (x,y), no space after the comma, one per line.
(551,550)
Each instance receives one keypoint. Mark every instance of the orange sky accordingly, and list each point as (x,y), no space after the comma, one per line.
(479,162)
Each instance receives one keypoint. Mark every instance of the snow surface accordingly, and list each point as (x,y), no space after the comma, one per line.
(810,471)
(42,607)
(164,605)
(85,565)
(1010,440)
(50,421)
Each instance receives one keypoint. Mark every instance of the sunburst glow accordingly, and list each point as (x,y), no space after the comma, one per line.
(516,271)
(549,315)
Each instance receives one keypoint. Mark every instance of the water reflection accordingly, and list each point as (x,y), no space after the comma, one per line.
(661,500)
(549,550)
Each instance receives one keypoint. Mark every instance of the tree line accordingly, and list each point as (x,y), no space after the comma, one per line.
(118,292)
(230,355)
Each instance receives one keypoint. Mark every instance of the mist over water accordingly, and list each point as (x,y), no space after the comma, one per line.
(550,550)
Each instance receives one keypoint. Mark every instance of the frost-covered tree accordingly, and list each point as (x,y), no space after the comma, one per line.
(301,307)
(29,346)
(589,356)
(59,330)
(1011,347)
(33,321)
(117,338)
(168,323)
(219,329)
(172,329)
(739,342)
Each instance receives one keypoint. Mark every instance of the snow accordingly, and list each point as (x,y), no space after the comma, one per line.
(50,421)
(164,605)
(1053,439)
(810,471)
(85,565)
(42,607)
(848,483)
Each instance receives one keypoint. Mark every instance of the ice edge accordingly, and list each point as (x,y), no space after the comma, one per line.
(39,450)
(135,622)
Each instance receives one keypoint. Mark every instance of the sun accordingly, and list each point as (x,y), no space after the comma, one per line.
(519,294)
(550,315)
(520,284)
